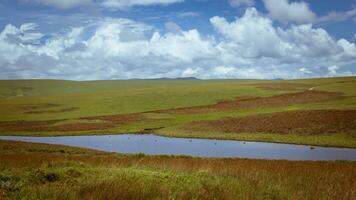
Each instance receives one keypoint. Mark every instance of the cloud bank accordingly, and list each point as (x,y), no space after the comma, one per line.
(61,4)
(124,4)
(248,47)
(110,4)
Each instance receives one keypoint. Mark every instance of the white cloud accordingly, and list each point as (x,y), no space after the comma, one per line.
(305,70)
(186,14)
(224,71)
(286,11)
(337,16)
(190,72)
(252,31)
(248,47)
(334,71)
(118,48)
(186,47)
(173,27)
(349,48)
(253,42)
(307,41)
(61,4)
(124,4)
(238,3)
(110,4)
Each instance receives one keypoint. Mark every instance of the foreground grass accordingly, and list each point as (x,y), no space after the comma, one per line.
(39,171)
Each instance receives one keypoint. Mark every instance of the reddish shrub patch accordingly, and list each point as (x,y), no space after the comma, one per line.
(81,126)
(18,126)
(109,121)
(300,122)
(26,125)
(52,111)
(119,119)
(280,86)
(256,102)
(38,106)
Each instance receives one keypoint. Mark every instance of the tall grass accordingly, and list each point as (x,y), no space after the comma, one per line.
(72,173)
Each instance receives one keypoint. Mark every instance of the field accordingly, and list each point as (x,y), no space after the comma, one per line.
(39,171)
(310,111)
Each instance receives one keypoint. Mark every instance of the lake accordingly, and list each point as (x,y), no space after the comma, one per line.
(159,145)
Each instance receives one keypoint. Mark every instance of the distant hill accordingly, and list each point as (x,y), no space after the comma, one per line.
(171,79)
(179,78)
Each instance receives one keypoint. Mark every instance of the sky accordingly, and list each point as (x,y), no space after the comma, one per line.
(207,39)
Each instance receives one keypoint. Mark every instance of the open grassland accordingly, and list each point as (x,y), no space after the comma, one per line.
(308,111)
(39,171)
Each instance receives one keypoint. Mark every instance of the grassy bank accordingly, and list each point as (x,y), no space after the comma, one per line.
(183,108)
(38,171)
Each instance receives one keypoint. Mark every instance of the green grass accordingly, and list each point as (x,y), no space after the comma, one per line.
(97,98)
(118,97)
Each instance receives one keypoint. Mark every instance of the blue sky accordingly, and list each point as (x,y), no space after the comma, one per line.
(123,39)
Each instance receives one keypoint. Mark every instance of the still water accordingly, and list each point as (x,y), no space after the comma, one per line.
(159,145)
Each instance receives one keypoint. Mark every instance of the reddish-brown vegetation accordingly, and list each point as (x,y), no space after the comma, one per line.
(81,126)
(52,111)
(256,102)
(301,122)
(119,119)
(109,121)
(30,107)
(14,126)
(44,108)
(280,86)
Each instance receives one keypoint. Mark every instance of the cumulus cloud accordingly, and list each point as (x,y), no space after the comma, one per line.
(286,11)
(349,48)
(109,48)
(118,48)
(251,31)
(253,41)
(238,3)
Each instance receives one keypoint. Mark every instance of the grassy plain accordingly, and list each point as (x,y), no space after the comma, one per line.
(320,111)
(174,107)
(39,171)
